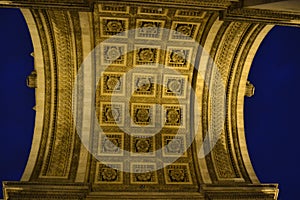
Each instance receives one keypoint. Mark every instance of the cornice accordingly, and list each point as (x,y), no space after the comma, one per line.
(262,16)
(81,5)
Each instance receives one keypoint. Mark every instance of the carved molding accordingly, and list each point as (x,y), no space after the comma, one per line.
(59,142)
(220,192)
(66,37)
(262,16)
(82,5)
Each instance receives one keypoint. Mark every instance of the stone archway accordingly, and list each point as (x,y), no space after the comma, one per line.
(60,166)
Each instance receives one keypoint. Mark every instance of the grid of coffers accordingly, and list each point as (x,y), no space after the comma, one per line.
(143,96)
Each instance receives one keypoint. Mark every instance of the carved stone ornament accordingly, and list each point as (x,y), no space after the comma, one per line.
(154,70)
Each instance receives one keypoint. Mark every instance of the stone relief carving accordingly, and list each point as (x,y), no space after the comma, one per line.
(177,174)
(109,173)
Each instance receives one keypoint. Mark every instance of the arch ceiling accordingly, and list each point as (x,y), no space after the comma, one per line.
(158,109)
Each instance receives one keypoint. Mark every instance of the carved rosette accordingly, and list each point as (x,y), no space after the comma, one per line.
(109,173)
(63,41)
(178,174)
(142,145)
(143,173)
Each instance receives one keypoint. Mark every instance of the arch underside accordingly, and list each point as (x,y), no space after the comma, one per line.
(60,164)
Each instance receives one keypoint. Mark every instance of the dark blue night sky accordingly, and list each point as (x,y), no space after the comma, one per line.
(271,115)
(16,100)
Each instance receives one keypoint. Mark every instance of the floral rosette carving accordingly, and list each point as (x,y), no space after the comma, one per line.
(177,175)
(109,174)
(143,84)
(144,176)
(142,145)
(178,57)
(112,114)
(174,146)
(174,86)
(142,115)
(114,26)
(173,116)
(149,28)
(113,53)
(113,83)
(146,55)
(111,145)
(184,29)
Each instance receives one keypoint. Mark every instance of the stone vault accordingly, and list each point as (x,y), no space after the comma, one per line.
(159,79)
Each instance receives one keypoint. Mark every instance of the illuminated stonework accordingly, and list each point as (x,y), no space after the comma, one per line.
(111,114)
(109,173)
(178,57)
(112,84)
(143,173)
(137,128)
(113,26)
(144,85)
(111,144)
(184,31)
(178,174)
(149,29)
(142,145)
(175,86)
(174,145)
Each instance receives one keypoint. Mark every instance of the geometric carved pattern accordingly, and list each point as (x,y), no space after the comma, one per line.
(66,55)
(114,8)
(175,86)
(178,174)
(173,116)
(142,145)
(149,29)
(143,173)
(144,85)
(111,114)
(178,57)
(223,163)
(111,144)
(184,31)
(190,13)
(112,83)
(113,26)
(173,145)
(152,11)
(109,173)
(57,162)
